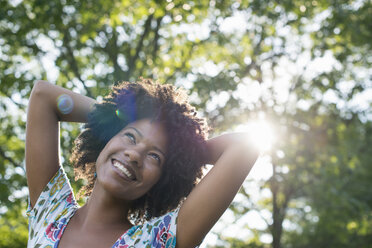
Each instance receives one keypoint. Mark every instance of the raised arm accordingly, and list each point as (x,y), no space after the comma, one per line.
(48,105)
(233,156)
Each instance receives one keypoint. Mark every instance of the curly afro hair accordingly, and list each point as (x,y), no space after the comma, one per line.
(187,134)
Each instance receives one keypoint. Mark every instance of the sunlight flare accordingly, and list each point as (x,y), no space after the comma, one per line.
(261,133)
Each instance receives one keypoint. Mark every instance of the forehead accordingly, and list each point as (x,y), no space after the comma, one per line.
(153,132)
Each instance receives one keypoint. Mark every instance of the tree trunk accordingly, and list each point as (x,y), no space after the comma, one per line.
(277,222)
(279,209)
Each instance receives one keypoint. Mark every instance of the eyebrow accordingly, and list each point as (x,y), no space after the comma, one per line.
(140,134)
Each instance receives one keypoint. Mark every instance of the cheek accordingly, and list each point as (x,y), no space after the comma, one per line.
(99,159)
(154,175)
(103,154)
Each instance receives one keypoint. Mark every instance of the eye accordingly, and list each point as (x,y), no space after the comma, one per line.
(156,157)
(131,137)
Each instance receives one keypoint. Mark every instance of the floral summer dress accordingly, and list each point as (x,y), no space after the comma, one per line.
(56,205)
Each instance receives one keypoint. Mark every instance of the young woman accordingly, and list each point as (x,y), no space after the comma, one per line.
(141,153)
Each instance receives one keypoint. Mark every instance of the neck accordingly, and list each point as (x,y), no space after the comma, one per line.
(104,211)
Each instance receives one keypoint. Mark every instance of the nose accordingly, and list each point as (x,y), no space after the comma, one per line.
(133,156)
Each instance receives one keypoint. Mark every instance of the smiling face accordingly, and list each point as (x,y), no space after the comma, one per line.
(131,162)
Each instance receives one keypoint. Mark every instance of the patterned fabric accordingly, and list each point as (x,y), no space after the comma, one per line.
(56,205)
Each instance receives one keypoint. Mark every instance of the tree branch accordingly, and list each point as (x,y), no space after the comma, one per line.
(155,43)
(156,38)
(182,64)
(133,59)
(72,61)
(112,51)
(2,153)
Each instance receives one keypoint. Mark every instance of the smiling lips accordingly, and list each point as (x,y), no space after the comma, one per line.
(123,168)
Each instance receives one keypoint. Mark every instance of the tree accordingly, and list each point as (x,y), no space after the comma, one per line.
(87,45)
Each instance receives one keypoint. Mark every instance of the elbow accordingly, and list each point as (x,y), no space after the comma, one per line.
(39,95)
(41,91)
(38,88)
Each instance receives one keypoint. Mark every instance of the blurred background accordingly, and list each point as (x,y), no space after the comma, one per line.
(296,74)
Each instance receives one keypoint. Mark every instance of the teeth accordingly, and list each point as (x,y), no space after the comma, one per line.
(123,169)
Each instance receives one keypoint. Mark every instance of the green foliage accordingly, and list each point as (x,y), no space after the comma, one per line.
(335,184)
(13,228)
(321,180)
